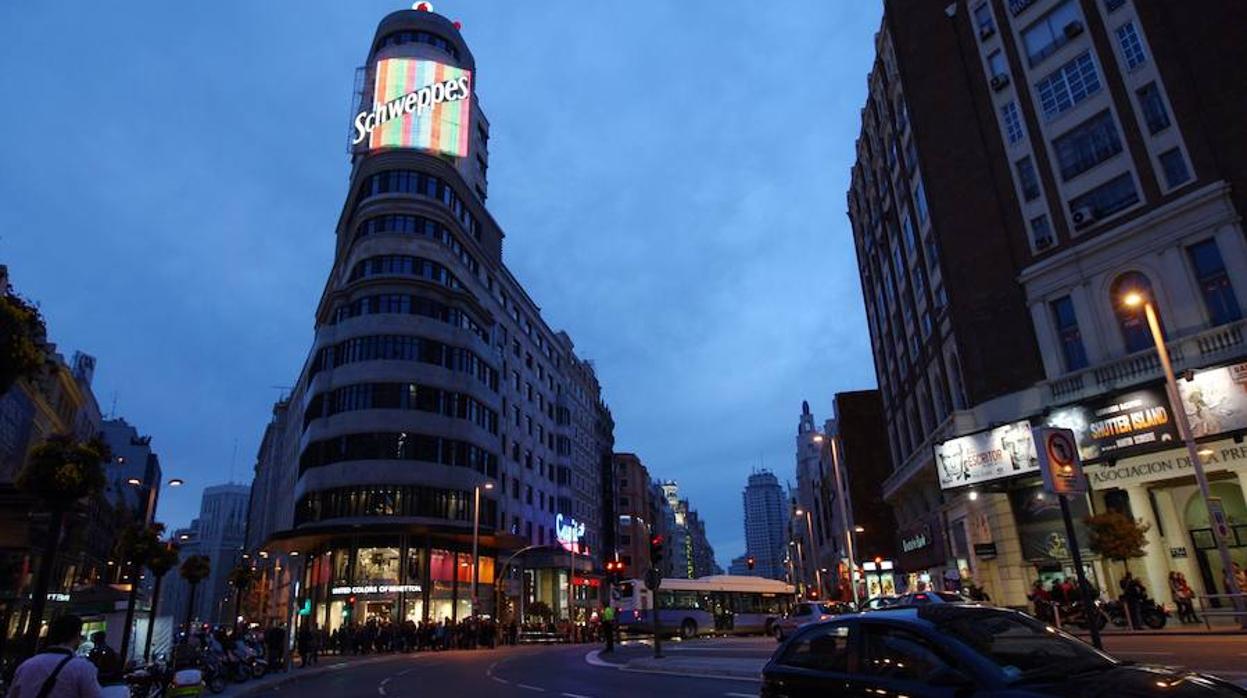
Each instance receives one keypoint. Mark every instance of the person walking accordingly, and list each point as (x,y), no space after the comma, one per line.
(275,646)
(57,672)
(308,639)
(608,627)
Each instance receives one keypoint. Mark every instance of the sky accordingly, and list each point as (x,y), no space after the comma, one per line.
(670,177)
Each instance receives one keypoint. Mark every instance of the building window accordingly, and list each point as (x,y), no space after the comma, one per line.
(1131,319)
(1153,107)
(908,228)
(1051,32)
(1068,85)
(983,18)
(1013,122)
(920,201)
(1111,5)
(1087,145)
(1108,198)
(1214,282)
(1131,45)
(1067,331)
(996,64)
(1041,232)
(1174,166)
(1028,179)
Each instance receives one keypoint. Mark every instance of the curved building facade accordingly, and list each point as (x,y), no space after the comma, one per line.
(433,382)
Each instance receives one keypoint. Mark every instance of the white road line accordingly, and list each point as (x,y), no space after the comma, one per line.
(531,688)
(381,686)
(740,695)
(593,659)
(490,670)
(577,695)
(502,681)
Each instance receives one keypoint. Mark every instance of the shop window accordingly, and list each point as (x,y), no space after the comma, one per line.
(441,566)
(377,566)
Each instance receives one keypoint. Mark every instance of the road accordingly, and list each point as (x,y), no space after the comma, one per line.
(563,670)
(527,671)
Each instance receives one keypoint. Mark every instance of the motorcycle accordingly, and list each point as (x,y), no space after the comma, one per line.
(1153,615)
(1074,613)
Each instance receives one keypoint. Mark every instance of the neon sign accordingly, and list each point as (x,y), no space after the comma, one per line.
(376,589)
(418,104)
(569,531)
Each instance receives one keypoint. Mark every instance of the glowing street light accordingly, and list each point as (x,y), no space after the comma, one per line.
(476,539)
(1135,299)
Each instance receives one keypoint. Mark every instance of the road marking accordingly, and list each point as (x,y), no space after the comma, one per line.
(381,687)
(577,695)
(490,670)
(593,659)
(502,681)
(740,695)
(530,688)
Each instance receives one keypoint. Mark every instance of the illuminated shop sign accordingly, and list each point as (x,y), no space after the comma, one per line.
(568,531)
(376,589)
(987,455)
(418,104)
(1118,424)
(1216,400)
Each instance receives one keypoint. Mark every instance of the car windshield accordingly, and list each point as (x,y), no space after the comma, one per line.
(1020,646)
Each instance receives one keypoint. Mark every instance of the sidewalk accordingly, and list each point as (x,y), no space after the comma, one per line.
(1220,626)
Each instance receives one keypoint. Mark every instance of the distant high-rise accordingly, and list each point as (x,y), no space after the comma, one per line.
(218,533)
(133,460)
(764,524)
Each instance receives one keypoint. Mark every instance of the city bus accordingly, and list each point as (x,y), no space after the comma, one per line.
(721,604)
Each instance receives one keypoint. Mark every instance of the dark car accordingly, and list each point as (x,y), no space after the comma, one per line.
(947,650)
(806,612)
(924,598)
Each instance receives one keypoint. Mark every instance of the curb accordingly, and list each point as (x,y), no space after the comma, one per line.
(1163,633)
(293,675)
(594,659)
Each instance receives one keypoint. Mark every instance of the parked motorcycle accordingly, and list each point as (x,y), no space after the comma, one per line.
(1153,615)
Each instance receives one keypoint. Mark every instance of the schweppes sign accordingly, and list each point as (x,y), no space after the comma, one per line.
(418,104)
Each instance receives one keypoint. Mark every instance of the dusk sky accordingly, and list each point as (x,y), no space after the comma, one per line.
(670,176)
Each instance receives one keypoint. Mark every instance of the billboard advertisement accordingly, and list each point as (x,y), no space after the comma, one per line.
(1118,424)
(1216,400)
(1041,529)
(418,103)
(1005,451)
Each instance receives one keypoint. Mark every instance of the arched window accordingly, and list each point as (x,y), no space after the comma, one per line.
(1131,319)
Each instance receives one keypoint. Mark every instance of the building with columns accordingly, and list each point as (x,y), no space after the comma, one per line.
(1024,165)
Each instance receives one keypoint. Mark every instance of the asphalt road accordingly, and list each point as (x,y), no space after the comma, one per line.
(527,671)
(562,670)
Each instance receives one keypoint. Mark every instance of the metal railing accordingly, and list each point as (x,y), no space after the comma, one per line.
(1228,609)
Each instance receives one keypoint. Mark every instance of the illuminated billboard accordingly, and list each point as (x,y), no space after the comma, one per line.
(418,104)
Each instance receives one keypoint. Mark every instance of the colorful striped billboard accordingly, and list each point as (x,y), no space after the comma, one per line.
(418,104)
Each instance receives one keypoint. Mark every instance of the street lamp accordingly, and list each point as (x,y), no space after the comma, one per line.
(476,536)
(1136,299)
(809,525)
(841,498)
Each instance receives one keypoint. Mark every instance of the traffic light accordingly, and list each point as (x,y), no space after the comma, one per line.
(750,562)
(655,550)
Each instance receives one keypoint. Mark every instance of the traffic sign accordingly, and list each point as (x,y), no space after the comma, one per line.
(1059,464)
(1216,515)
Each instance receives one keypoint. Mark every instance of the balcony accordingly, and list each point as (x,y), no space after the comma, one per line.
(1194,351)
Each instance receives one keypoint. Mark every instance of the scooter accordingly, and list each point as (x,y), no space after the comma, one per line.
(1152,614)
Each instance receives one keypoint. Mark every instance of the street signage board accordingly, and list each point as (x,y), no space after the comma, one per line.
(1059,463)
(1216,516)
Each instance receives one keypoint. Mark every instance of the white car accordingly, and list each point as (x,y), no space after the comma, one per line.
(807,612)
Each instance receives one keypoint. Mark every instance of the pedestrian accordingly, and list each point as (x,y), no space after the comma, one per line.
(57,672)
(275,646)
(306,643)
(1132,594)
(108,665)
(608,627)
(1240,577)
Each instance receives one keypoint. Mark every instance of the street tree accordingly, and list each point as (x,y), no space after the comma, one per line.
(58,474)
(242,578)
(160,561)
(135,546)
(22,335)
(194,570)
(1115,536)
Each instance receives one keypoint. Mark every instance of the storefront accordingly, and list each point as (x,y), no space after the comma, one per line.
(923,557)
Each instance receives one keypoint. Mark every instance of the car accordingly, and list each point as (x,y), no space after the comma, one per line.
(950,649)
(924,598)
(877,602)
(805,612)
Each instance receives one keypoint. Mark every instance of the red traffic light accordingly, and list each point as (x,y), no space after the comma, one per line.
(656,540)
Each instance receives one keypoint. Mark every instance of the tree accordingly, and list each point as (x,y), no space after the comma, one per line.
(59,473)
(135,546)
(1115,536)
(22,334)
(194,570)
(241,578)
(161,560)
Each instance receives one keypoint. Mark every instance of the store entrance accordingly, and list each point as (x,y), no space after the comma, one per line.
(378,610)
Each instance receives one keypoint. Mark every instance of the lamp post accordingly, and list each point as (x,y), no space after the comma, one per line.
(476,539)
(1136,299)
(809,527)
(841,499)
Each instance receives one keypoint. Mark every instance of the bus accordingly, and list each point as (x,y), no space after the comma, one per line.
(720,604)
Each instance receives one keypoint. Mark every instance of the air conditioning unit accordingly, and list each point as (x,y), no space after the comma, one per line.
(986,32)
(999,82)
(1083,216)
(1073,29)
